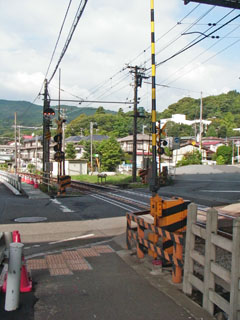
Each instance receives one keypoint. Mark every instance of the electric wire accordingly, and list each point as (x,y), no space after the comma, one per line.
(196,42)
(54,50)
(189,62)
(70,35)
(95,89)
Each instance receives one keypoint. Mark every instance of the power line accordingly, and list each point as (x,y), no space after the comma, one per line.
(98,87)
(70,35)
(196,42)
(59,35)
(189,62)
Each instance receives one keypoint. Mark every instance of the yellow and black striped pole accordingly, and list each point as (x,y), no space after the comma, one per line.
(153,182)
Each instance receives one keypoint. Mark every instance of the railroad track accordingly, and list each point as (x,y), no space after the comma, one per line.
(105,192)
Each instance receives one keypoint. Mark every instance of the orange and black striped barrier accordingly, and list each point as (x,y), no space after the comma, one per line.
(171,215)
(143,175)
(143,245)
(64,181)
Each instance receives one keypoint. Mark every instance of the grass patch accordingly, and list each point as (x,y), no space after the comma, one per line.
(118,180)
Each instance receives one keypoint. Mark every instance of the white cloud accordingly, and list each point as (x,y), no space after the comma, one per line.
(109,35)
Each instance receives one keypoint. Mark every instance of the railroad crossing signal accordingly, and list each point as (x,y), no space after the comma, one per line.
(222,3)
(161,143)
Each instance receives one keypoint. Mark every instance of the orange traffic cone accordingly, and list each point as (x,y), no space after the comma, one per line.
(35,184)
(26,281)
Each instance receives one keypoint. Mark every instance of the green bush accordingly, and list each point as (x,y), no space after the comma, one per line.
(194,157)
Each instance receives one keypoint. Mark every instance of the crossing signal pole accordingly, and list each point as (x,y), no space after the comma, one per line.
(46,136)
(154,181)
(138,76)
(48,113)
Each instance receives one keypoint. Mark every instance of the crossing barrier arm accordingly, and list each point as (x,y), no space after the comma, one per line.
(137,234)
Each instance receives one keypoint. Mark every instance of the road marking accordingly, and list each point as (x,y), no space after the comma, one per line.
(227,191)
(74,238)
(129,199)
(62,207)
(116,203)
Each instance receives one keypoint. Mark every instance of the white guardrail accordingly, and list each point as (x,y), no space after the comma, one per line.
(12,179)
(2,247)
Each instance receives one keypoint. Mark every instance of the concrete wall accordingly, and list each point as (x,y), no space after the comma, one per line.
(72,167)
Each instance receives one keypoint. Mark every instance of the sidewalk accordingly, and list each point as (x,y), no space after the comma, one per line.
(94,279)
(101,281)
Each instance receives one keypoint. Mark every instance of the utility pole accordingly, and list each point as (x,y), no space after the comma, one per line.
(19,148)
(15,126)
(63,131)
(45,140)
(48,113)
(138,76)
(200,125)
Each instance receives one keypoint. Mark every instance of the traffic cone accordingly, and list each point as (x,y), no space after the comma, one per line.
(35,184)
(26,281)
(16,236)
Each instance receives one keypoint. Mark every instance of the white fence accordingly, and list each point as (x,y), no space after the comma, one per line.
(213,272)
(13,179)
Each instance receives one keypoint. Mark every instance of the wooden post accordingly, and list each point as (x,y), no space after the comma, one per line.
(140,247)
(128,238)
(210,255)
(189,246)
(234,292)
(177,270)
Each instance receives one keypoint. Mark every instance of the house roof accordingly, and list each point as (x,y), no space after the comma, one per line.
(74,139)
(96,137)
(39,138)
(140,137)
(212,143)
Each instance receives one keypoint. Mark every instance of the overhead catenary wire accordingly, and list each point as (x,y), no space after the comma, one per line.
(78,15)
(104,83)
(189,62)
(196,42)
(55,47)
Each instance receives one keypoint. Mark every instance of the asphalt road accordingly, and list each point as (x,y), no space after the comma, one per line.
(212,187)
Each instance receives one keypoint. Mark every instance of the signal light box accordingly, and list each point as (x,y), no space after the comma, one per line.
(235,4)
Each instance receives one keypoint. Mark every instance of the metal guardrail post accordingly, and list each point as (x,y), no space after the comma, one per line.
(14,276)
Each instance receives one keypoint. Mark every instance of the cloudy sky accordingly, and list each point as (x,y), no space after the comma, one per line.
(110,36)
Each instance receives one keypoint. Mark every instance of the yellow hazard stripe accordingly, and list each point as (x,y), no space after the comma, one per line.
(154,115)
(154,140)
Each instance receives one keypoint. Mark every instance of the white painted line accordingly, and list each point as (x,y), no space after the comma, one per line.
(115,203)
(226,191)
(75,238)
(129,199)
(65,209)
(62,207)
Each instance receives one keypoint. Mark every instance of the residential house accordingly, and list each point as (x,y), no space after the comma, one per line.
(185,148)
(144,144)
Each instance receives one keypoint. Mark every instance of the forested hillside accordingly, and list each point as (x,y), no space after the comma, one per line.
(223,110)
(29,114)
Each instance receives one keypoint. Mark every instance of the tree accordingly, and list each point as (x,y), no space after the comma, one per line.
(70,151)
(224,155)
(193,157)
(100,110)
(110,154)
